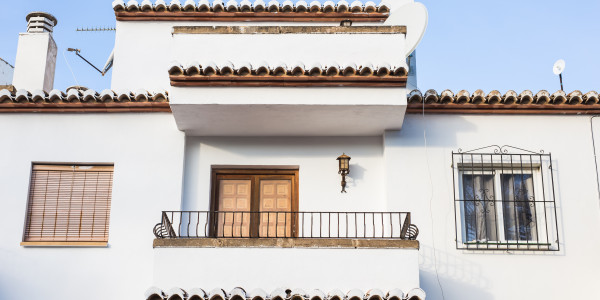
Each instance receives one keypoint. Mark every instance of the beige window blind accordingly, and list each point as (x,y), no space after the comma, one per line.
(69,203)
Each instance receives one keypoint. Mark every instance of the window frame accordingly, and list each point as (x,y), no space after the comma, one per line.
(499,201)
(255,174)
(56,166)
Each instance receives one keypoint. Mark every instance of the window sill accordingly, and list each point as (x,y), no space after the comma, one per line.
(286,243)
(64,244)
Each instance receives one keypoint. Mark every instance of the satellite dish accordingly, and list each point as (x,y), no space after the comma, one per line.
(559,67)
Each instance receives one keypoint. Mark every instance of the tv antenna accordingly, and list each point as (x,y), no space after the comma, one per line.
(558,69)
(107,66)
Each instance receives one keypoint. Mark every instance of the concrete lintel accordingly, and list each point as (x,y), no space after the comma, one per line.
(286,243)
(289,30)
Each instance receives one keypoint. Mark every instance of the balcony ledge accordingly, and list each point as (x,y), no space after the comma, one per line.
(286,243)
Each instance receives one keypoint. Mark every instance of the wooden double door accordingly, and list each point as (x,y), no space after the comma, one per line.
(254,203)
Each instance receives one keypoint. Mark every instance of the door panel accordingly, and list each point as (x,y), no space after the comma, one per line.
(234,207)
(276,205)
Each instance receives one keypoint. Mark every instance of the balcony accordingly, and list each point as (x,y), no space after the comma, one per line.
(209,229)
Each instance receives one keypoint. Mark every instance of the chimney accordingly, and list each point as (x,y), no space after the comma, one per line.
(36,54)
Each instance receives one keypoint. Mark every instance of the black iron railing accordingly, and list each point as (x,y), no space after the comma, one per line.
(322,225)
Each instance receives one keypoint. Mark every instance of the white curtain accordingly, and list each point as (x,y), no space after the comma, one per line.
(518,207)
(479,208)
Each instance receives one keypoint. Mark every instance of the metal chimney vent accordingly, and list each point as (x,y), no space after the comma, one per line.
(40,22)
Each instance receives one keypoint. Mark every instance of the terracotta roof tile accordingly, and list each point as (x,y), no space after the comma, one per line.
(541,102)
(233,6)
(238,293)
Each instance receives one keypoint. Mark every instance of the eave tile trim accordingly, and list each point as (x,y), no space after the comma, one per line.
(299,74)
(239,293)
(79,100)
(541,102)
(246,6)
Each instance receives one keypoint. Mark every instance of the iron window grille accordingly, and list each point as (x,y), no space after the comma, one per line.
(504,199)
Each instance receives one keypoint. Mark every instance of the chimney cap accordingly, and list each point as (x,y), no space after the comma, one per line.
(42,14)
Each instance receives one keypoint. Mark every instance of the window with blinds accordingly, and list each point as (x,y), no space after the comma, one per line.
(69,203)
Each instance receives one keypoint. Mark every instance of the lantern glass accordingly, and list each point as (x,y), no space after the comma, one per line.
(344,162)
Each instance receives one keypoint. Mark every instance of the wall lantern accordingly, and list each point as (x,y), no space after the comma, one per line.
(344,169)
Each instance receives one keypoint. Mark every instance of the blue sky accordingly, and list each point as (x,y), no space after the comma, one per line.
(468,45)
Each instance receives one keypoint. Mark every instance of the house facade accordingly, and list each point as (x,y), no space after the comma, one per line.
(281,151)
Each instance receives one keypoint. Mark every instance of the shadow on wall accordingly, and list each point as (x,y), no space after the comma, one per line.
(459,277)
(411,134)
(356,175)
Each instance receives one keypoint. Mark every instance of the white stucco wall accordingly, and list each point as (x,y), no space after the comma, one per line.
(569,273)
(319,180)
(35,62)
(147,152)
(136,67)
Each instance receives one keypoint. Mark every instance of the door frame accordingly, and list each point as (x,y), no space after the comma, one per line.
(253,173)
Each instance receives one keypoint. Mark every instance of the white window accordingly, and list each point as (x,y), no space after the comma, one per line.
(504,201)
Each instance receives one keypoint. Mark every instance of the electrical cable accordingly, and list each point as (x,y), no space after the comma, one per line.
(595,157)
(69,65)
(437,275)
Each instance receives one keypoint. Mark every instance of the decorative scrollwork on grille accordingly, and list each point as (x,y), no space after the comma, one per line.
(496,149)
(413,232)
(160,231)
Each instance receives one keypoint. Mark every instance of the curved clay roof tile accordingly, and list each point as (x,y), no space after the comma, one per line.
(316,295)
(279,69)
(447,96)
(89,96)
(335,295)
(5,96)
(542,97)
(375,294)
(146,6)
(384,7)
(245,6)
(462,97)
(298,294)
(189,5)
(298,69)
(287,6)
(370,7)
(73,95)
(56,96)
(510,97)
(558,97)
(356,6)
(525,97)
(232,6)
(384,70)
(315,6)
(262,69)
(38,96)
(217,294)
(590,97)
(478,97)
(107,96)
(118,5)
(160,97)
(176,294)
(401,69)
(328,7)
(494,97)
(197,294)
(133,5)
(175,5)
(367,70)
(123,97)
(226,69)
(395,294)
(342,6)
(176,69)
(160,5)
(278,294)
(416,294)
(237,293)
(273,6)
(431,96)
(575,97)
(244,69)
(193,69)
(153,293)
(415,96)
(259,6)
(349,70)
(332,70)
(257,294)
(22,96)
(218,6)
(302,6)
